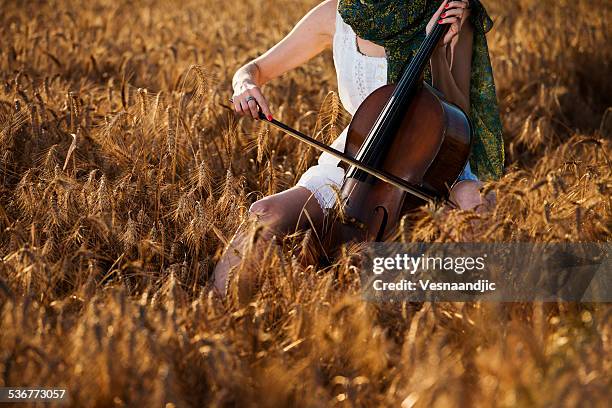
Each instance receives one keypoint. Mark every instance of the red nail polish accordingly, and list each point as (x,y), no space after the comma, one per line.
(269,117)
(443,15)
(440,22)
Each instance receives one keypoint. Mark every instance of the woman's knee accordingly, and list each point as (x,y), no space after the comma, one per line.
(466,195)
(263,209)
(287,211)
(268,212)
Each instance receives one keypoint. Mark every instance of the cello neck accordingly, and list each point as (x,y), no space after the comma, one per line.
(411,77)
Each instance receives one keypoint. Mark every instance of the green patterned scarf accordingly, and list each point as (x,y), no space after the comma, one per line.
(399,27)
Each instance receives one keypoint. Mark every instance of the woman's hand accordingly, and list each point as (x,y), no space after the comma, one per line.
(311,35)
(454,13)
(247,95)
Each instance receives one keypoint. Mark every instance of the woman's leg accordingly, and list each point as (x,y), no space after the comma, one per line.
(278,214)
(466,194)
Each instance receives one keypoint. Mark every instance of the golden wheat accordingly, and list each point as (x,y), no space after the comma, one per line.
(123,178)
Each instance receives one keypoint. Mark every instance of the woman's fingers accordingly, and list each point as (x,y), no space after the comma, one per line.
(449,12)
(449,20)
(456,4)
(261,101)
(245,105)
(250,102)
(236,102)
(246,109)
(453,29)
(440,9)
(453,13)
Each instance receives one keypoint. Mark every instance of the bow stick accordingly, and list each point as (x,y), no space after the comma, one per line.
(379,174)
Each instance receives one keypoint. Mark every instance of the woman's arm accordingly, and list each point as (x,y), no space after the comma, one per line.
(311,35)
(451,63)
(451,69)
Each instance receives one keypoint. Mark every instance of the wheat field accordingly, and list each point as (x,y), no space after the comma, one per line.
(121,177)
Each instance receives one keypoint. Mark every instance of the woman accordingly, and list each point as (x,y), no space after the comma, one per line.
(372,42)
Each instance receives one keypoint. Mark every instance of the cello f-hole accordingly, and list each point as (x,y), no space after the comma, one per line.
(383,223)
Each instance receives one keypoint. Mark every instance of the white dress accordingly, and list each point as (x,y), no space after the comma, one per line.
(358,75)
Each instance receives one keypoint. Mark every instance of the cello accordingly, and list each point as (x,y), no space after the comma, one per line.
(406,146)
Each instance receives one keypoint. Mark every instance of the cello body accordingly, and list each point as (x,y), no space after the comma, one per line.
(430,149)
